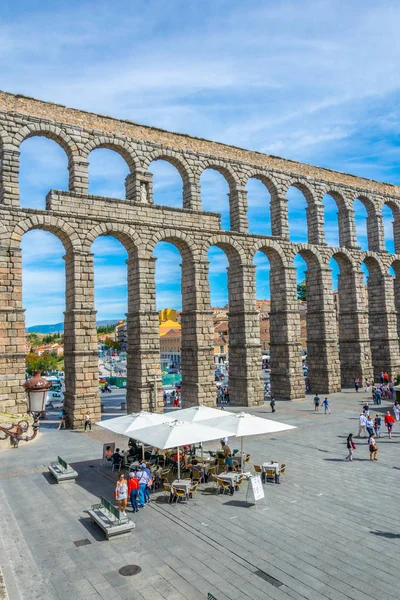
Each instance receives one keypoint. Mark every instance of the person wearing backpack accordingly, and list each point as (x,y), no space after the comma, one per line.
(350,447)
(133,491)
(143,479)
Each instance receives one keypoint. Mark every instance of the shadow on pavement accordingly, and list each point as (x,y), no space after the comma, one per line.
(93,529)
(387,534)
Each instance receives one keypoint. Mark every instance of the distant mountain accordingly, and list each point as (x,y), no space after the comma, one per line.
(59,327)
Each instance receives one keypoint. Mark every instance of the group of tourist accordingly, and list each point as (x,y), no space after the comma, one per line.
(222,395)
(325,404)
(137,488)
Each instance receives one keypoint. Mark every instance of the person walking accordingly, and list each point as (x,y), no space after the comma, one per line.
(133,491)
(272,404)
(366,409)
(143,479)
(377,426)
(373,447)
(389,421)
(378,395)
(316,403)
(396,410)
(382,377)
(326,406)
(63,420)
(367,386)
(369,425)
(350,447)
(356,383)
(121,494)
(88,421)
(149,482)
(362,419)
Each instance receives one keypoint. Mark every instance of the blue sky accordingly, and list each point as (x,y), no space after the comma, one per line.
(315,81)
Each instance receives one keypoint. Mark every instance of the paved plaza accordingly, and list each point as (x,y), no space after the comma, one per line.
(328,531)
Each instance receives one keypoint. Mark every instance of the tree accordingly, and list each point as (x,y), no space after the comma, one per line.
(44,363)
(301,291)
(34,340)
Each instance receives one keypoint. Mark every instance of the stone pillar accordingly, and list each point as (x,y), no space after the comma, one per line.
(279,216)
(9,177)
(192,193)
(315,223)
(383,325)
(78,168)
(197,349)
(376,242)
(396,232)
(139,187)
(354,344)
(347,228)
(143,353)
(12,332)
(396,289)
(80,339)
(322,339)
(287,380)
(238,209)
(245,385)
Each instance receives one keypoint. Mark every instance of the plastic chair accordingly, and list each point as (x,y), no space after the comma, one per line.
(225,486)
(180,494)
(167,490)
(283,471)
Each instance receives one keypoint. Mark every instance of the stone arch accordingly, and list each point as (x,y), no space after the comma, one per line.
(272,250)
(373,263)
(172,157)
(310,254)
(374,222)
(51,132)
(395,210)
(305,188)
(234,251)
(123,233)
(60,228)
(343,258)
(314,210)
(267,180)
(183,242)
(121,147)
(224,169)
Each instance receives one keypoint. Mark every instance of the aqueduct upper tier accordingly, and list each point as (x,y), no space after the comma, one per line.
(368,339)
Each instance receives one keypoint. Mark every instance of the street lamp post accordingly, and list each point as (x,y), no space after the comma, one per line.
(36,390)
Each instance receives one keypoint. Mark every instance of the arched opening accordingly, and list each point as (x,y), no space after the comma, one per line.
(259,207)
(107,173)
(167,184)
(360,218)
(218,280)
(331,220)
(297,215)
(263,306)
(301,293)
(43,167)
(110,300)
(215,195)
(42,263)
(388,216)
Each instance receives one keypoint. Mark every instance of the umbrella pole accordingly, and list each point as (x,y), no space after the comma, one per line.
(241,454)
(179,466)
(142,451)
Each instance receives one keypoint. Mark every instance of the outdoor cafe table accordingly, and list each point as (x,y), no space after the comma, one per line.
(182,484)
(272,467)
(231,478)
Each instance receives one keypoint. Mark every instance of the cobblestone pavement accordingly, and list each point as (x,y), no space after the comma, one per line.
(328,531)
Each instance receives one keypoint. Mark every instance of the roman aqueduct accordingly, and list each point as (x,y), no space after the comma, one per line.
(368,335)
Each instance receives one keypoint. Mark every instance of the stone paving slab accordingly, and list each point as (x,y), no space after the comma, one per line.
(329,530)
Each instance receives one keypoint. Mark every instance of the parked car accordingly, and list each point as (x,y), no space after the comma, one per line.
(54,404)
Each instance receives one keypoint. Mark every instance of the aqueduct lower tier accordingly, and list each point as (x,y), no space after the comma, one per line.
(368,334)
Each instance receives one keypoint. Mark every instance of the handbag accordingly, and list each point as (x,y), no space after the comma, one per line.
(353,445)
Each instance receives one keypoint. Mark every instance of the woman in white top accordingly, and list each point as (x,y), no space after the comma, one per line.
(121,494)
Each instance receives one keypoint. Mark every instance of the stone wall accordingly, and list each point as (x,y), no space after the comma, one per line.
(368,336)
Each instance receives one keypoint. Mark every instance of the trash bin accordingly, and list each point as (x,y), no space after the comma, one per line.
(123,405)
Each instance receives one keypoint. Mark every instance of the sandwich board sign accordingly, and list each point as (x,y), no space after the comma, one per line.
(210,597)
(255,489)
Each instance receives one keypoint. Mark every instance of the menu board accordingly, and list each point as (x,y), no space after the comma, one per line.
(257,487)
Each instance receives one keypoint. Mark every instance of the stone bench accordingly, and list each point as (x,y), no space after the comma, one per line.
(62,471)
(109,519)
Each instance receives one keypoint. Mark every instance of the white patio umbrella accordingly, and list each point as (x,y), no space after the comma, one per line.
(128,424)
(201,413)
(244,424)
(174,434)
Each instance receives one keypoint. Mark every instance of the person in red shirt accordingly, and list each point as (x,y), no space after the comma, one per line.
(133,491)
(389,420)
